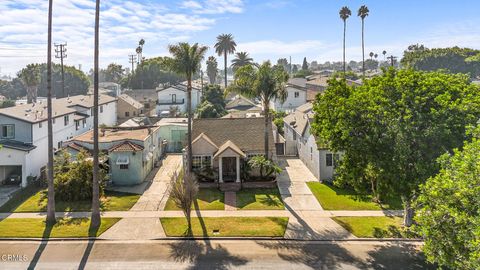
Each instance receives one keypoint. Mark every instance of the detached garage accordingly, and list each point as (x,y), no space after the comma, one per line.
(13,162)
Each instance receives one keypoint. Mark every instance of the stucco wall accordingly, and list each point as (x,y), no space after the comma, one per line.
(292,102)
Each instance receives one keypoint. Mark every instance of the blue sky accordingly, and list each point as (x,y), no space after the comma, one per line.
(266,29)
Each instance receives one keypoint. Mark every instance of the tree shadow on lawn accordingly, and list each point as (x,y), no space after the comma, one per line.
(388,257)
(19,198)
(210,195)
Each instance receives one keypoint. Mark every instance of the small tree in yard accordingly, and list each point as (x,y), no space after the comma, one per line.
(183,191)
(266,166)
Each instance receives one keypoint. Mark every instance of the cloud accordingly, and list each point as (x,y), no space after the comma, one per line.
(277,47)
(214,6)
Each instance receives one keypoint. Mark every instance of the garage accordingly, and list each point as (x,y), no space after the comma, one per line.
(10,175)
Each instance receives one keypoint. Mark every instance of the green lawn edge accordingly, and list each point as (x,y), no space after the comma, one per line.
(226,226)
(333,198)
(64,228)
(208,199)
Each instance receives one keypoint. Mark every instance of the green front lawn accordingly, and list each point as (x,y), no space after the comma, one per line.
(333,198)
(259,199)
(227,226)
(33,199)
(66,227)
(377,227)
(208,199)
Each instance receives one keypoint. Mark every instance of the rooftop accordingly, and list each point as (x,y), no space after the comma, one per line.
(246,133)
(130,100)
(112,135)
(37,112)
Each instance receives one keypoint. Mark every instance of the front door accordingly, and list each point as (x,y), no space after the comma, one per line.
(229,169)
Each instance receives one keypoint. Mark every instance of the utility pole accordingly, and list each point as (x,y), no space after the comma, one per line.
(131,59)
(392,60)
(60,52)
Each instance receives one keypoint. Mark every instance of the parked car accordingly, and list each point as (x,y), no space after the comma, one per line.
(13,179)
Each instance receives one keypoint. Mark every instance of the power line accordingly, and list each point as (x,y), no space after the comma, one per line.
(60,51)
(131,59)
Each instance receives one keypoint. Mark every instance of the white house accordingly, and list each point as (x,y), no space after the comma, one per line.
(23,131)
(301,142)
(176,96)
(296,96)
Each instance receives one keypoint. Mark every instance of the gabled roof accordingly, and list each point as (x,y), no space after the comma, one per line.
(75,146)
(239,101)
(298,119)
(180,87)
(126,146)
(229,145)
(130,100)
(12,144)
(246,133)
(205,137)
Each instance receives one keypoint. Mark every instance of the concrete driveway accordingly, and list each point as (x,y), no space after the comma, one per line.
(301,203)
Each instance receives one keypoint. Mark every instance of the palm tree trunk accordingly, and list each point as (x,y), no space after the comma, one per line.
(225,58)
(51,191)
(189,125)
(344,31)
(267,118)
(95,222)
(363,50)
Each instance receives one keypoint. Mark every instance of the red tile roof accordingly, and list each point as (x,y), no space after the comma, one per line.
(126,146)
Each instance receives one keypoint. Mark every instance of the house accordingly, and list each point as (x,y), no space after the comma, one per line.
(296,96)
(242,107)
(225,143)
(132,152)
(23,131)
(300,141)
(173,132)
(148,97)
(176,96)
(128,107)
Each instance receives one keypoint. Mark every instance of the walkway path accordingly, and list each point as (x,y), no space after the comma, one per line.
(299,201)
(230,201)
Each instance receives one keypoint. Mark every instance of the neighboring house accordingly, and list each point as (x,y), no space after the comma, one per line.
(23,131)
(176,96)
(137,122)
(173,132)
(128,107)
(110,88)
(148,97)
(296,96)
(242,107)
(132,152)
(301,142)
(225,143)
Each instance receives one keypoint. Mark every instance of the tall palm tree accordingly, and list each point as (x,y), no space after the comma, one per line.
(384,54)
(225,45)
(371,55)
(51,192)
(376,56)
(212,69)
(241,59)
(266,83)
(186,60)
(95,222)
(30,77)
(344,14)
(363,13)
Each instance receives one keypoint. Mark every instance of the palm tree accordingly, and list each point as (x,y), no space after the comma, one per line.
(362,13)
(139,51)
(95,222)
(371,55)
(30,77)
(225,45)
(51,192)
(241,59)
(384,53)
(376,56)
(212,69)
(186,60)
(344,14)
(266,83)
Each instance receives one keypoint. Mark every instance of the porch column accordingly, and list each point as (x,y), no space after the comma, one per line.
(220,170)
(238,169)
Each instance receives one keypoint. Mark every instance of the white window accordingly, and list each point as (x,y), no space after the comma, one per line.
(8,131)
(199,162)
(331,159)
(127,114)
(123,166)
(66,119)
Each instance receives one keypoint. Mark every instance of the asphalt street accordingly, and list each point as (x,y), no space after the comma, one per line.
(214,254)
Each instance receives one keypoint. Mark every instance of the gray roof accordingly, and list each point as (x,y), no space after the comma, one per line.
(241,103)
(37,112)
(180,86)
(129,100)
(143,95)
(17,145)
(299,119)
(246,133)
(297,82)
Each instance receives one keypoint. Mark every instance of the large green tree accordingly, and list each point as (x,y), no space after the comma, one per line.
(186,60)
(150,73)
(13,89)
(213,103)
(449,209)
(266,83)
(114,73)
(452,60)
(30,76)
(394,127)
(225,45)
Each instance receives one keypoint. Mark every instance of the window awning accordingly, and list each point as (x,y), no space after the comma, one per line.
(123,160)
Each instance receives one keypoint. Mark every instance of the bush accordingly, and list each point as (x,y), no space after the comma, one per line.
(73,179)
